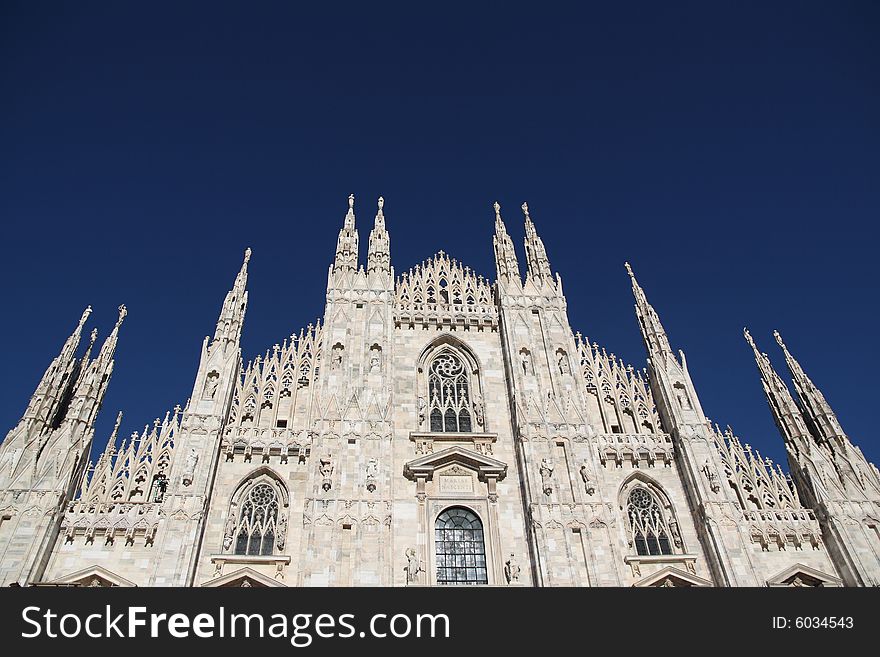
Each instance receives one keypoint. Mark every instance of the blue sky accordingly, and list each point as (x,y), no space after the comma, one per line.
(729,151)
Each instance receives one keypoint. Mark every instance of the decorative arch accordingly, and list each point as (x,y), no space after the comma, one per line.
(256,522)
(651,523)
(450,399)
(453,342)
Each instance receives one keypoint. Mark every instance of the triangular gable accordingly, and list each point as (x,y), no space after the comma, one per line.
(805,575)
(672,576)
(484,466)
(243,577)
(92,576)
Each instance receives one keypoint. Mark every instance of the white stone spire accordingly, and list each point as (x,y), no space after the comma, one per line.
(231,318)
(379,255)
(653,332)
(506,263)
(536,254)
(785,411)
(347,243)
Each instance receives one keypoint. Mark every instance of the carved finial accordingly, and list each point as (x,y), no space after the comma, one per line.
(748,337)
(247,255)
(116,426)
(497,207)
(85,315)
(381,203)
(779,339)
(123,311)
(351,201)
(93,337)
(525,209)
(629,270)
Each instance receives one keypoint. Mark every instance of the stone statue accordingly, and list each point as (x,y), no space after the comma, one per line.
(478,408)
(336,357)
(676,534)
(711,477)
(589,486)
(372,468)
(229,533)
(512,570)
(326,468)
(211,384)
(546,471)
(526,359)
(189,468)
(375,365)
(413,566)
(683,400)
(423,409)
(281,531)
(563,364)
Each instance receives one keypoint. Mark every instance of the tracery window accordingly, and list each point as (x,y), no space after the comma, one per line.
(257,521)
(647,520)
(459,548)
(449,394)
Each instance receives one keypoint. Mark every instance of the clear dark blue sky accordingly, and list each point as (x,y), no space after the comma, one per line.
(729,151)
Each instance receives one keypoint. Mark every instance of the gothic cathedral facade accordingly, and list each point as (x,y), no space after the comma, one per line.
(434,428)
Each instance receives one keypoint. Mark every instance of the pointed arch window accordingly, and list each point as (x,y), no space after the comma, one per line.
(650,531)
(449,393)
(256,524)
(257,520)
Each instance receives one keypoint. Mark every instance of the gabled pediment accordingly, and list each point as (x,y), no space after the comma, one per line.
(484,466)
(96,576)
(672,576)
(801,575)
(243,577)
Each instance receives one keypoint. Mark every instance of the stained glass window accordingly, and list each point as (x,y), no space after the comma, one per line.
(256,525)
(459,548)
(648,523)
(449,393)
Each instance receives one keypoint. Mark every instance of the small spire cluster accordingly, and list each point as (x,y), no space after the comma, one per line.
(817,445)
(538,270)
(135,471)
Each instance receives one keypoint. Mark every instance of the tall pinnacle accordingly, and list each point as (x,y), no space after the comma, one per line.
(53,388)
(785,411)
(68,351)
(349,216)
(820,416)
(109,346)
(653,332)
(347,243)
(536,254)
(379,255)
(506,263)
(231,319)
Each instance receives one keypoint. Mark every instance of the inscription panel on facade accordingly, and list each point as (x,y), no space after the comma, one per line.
(456,483)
